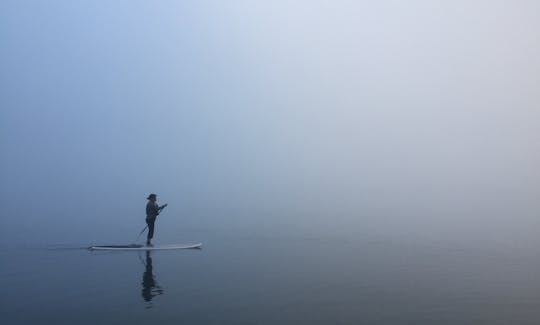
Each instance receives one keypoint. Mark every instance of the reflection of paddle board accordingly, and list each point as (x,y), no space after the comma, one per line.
(136,247)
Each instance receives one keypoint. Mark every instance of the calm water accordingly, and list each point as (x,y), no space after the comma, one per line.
(264,280)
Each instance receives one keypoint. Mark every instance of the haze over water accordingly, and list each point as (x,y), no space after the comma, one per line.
(340,161)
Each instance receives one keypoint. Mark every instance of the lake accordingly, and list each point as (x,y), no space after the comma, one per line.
(253,279)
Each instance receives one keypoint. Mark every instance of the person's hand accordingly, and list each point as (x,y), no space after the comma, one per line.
(164,205)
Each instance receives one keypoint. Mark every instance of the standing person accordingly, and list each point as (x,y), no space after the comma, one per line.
(152,211)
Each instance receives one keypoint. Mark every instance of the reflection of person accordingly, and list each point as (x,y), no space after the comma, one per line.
(152,211)
(150,288)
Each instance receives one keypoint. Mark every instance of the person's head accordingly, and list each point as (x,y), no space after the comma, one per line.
(152,197)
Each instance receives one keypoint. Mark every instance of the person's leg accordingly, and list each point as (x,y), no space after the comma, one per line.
(150,223)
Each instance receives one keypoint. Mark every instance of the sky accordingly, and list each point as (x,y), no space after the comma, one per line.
(399,119)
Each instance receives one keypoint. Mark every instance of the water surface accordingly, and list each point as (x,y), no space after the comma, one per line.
(265,280)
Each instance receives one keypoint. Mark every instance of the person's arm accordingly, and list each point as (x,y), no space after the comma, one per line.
(162,207)
(155,209)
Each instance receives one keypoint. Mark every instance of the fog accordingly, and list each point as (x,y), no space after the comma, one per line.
(397,120)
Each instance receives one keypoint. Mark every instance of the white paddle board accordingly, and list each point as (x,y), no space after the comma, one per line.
(137,247)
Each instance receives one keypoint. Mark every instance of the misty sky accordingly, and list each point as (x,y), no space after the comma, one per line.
(397,118)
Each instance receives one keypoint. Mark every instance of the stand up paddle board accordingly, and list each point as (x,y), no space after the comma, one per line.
(137,247)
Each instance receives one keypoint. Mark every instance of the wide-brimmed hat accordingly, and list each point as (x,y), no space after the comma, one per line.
(151,196)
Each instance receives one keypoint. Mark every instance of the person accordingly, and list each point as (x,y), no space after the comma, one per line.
(152,211)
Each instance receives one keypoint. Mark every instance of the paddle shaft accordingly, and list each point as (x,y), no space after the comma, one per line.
(142,231)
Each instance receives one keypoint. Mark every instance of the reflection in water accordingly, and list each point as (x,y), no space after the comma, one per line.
(150,288)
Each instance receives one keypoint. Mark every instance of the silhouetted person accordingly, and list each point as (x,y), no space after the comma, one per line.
(150,288)
(152,211)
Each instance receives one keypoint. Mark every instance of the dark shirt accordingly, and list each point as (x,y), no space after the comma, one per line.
(152,209)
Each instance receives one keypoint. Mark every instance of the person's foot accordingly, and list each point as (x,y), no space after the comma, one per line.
(148,243)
